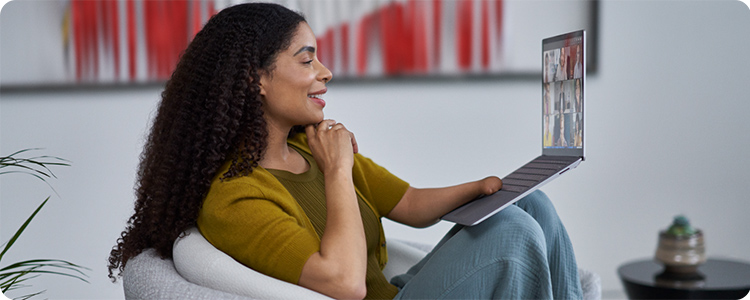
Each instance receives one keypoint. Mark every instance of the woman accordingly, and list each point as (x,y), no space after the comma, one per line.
(240,148)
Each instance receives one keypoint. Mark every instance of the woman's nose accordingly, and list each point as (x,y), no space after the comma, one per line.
(324,74)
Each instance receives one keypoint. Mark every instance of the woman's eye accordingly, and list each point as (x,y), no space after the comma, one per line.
(308,62)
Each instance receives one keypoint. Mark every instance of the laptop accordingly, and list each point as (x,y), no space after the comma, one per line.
(563,133)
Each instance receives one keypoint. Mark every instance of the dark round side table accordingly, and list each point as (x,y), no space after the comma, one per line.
(716,279)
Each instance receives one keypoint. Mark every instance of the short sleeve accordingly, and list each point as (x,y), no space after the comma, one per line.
(265,235)
(381,188)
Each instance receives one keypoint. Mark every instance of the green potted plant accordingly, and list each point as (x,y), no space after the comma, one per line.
(13,276)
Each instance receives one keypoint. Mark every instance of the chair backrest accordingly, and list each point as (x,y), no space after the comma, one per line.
(201,263)
(148,276)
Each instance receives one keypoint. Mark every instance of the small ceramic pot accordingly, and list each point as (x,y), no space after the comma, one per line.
(681,254)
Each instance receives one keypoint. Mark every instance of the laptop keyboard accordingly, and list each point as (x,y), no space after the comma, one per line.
(535,172)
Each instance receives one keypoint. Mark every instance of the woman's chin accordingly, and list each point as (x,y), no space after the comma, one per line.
(312,121)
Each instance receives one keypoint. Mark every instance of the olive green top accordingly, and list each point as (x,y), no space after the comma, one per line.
(257,221)
(309,190)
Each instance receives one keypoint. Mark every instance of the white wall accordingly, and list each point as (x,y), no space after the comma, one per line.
(667,128)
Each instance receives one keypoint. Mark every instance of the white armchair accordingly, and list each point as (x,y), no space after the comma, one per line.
(200,271)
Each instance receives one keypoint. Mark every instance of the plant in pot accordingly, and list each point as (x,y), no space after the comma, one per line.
(15,275)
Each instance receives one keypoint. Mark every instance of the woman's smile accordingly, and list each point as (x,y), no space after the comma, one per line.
(316,97)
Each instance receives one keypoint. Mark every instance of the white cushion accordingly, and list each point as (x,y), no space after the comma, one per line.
(401,257)
(201,263)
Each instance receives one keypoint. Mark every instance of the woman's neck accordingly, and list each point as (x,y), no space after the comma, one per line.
(278,155)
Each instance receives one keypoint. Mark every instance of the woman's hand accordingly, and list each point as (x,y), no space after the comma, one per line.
(489,185)
(332,145)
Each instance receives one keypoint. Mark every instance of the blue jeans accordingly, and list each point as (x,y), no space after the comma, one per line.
(522,252)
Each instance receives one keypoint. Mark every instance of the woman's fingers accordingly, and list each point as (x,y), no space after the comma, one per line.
(354,143)
(331,125)
(332,144)
(355,148)
(325,124)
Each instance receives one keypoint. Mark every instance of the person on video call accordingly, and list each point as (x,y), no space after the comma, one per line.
(578,69)
(547,132)
(579,101)
(562,67)
(546,101)
(549,68)
(240,148)
(578,139)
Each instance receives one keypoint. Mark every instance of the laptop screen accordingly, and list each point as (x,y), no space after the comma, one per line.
(563,77)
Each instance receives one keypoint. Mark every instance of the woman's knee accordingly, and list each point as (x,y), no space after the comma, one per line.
(535,199)
(512,226)
(539,206)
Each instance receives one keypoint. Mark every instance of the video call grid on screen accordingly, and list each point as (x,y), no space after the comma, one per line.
(562,90)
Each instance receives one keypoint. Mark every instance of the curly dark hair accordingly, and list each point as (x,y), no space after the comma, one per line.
(210,112)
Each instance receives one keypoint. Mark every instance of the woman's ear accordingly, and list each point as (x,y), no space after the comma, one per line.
(261,83)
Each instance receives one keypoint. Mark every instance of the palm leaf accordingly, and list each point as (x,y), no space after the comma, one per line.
(37,162)
(32,266)
(14,282)
(41,262)
(36,166)
(11,161)
(18,275)
(26,297)
(19,152)
(20,230)
(14,275)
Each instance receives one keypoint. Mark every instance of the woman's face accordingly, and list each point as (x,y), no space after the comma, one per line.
(292,93)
